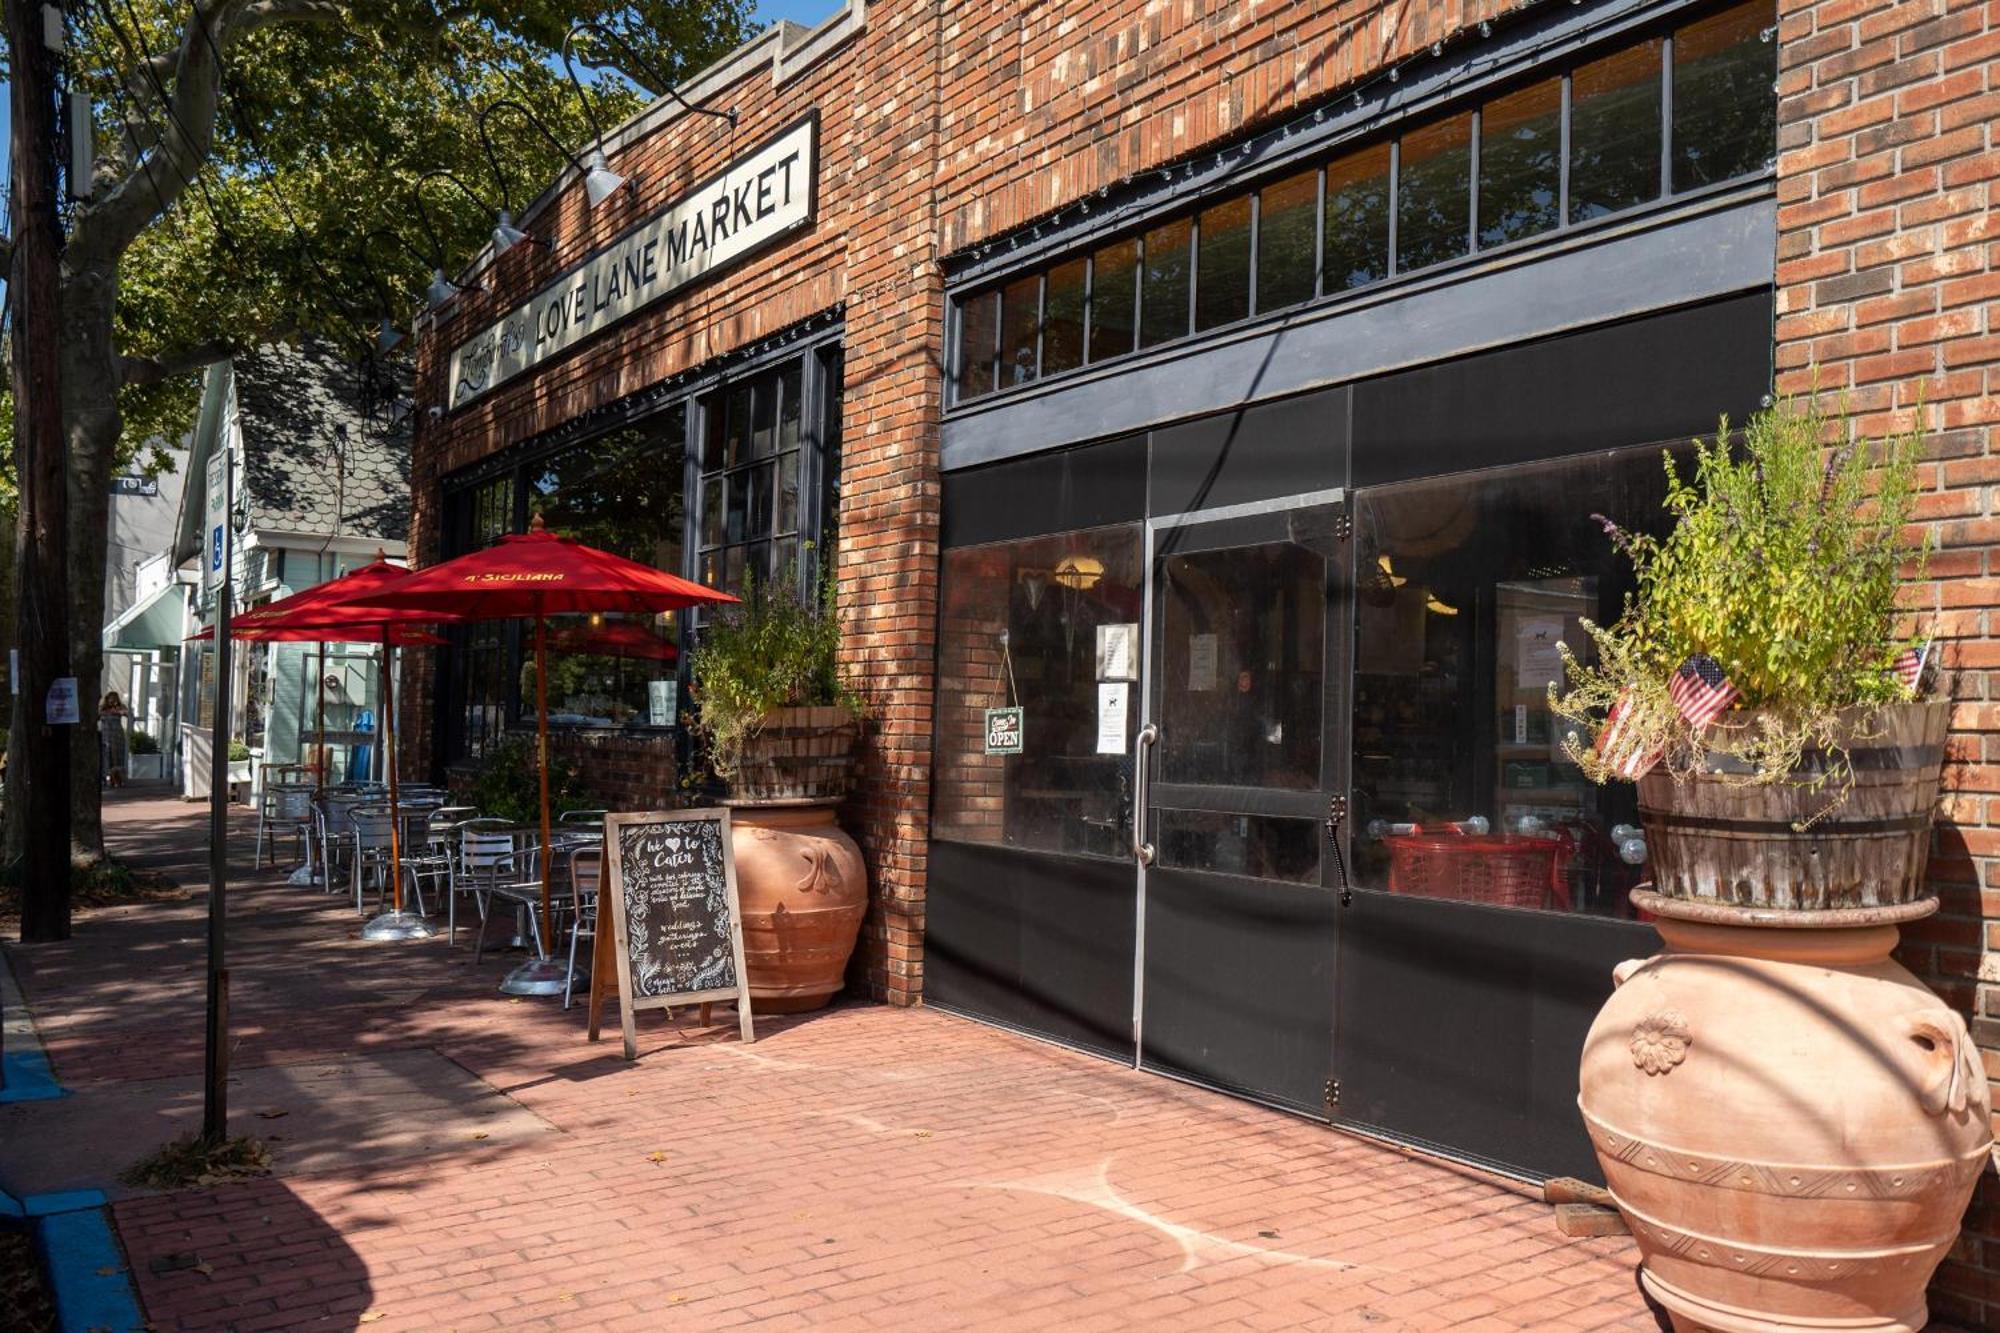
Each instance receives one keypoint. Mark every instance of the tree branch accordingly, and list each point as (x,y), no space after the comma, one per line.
(183,360)
(107,226)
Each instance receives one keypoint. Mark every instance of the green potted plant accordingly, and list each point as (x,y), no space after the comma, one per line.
(780,726)
(242,769)
(1756,687)
(1791,1123)
(144,750)
(777,718)
(505,785)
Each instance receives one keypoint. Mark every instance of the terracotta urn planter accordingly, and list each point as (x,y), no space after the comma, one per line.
(803,890)
(1790,1122)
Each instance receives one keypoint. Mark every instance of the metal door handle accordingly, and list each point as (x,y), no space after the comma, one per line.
(1149,736)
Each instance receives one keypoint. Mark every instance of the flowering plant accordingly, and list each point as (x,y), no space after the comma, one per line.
(1764,625)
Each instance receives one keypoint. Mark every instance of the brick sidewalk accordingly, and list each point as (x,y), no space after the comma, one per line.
(861,1168)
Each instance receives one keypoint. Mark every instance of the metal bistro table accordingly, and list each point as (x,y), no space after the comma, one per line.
(525,892)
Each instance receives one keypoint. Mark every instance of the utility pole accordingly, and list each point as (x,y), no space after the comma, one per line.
(219,551)
(47,689)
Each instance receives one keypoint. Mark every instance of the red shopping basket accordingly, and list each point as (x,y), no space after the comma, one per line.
(1502,869)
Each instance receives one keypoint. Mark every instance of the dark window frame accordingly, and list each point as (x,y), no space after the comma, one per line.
(1391,133)
(471,509)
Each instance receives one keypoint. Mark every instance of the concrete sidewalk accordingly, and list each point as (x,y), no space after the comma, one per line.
(448,1158)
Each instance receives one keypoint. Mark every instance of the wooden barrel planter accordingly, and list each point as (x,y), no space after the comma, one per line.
(798,754)
(1711,836)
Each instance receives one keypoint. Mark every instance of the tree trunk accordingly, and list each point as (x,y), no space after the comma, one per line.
(91,429)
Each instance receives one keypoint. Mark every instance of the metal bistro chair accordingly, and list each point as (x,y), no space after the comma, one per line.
(424,860)
(595,817)
(586,864)
(371,826)
(333,811)
(285,811)
(522,890)
(486,855)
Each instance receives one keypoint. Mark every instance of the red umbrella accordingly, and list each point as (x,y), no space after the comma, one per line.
(322,614)
(615,638)
(400,636)
(537,574)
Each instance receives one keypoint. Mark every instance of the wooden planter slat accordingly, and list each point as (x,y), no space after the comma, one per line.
(1710,838)
(798,754)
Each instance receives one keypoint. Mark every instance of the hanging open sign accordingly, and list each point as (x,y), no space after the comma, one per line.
(1003,731)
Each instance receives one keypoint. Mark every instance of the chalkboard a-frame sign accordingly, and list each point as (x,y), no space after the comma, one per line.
(676,926)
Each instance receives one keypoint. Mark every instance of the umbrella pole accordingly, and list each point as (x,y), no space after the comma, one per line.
(542,744)
(319,761)
(541,975)
(394,924)
(389,765)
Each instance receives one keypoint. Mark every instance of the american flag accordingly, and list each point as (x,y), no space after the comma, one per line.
(1909,666)
(1619,745)
(1701,690)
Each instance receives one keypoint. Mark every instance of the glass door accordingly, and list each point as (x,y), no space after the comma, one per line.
(1242,756)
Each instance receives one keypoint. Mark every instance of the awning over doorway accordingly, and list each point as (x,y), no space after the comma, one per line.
(155,621)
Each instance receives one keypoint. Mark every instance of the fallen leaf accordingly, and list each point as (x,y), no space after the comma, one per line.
(676,1298)
(205,1269)
(923,1133)
(1268,1235)
(370,1316)
(565,1295)
(272,1114)
(656,1157)
(480,1135)
(109,1271)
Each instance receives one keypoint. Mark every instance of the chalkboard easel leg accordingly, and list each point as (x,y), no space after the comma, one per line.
(601,961)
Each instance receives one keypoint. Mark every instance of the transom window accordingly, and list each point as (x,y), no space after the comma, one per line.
(1673,112)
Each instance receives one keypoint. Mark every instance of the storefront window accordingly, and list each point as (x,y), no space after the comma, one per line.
(978,344)
(1020,628)
(621,493)
(1723,122)
(751,480)
(1163,296)
(1114,291)
(1062,318)
(1467,588)
(1222,269)
(1357,219)
(765,486)
(1198,270)
(1434,194)
(1020,320)
(1243,670)
(1614,132)
(1287,223)
(1520,163)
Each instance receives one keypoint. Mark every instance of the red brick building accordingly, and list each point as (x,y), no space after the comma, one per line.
(1230,388)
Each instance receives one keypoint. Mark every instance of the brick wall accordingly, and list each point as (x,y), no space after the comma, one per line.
(871,251)
(1887,288)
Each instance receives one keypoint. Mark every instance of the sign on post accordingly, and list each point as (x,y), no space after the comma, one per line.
(676,927)
(215,546)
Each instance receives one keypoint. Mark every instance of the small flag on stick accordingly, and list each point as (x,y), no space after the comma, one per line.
(1619,744)
(1701,691)
(1910,665)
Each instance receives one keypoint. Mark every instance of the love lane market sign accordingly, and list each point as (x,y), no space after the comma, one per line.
(759,198)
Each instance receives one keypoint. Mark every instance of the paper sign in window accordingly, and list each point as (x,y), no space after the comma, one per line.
(1117,652)
(1113,703)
